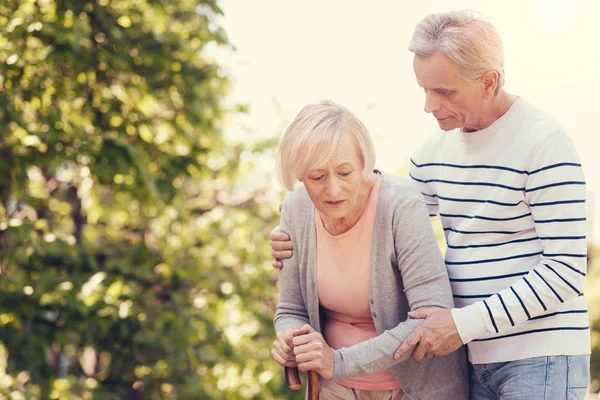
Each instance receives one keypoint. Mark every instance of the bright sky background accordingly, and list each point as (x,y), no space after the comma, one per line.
(293,52)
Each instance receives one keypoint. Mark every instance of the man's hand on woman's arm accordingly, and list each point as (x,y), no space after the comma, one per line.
(436,336)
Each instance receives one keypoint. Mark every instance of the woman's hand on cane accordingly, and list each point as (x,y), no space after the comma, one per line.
(283,349)
(312,352)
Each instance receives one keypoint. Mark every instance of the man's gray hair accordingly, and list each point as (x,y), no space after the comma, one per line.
(464,37)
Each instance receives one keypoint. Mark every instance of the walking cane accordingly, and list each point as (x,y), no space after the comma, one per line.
(293,381)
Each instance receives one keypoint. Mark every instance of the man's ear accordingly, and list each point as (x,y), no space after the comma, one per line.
(490,84)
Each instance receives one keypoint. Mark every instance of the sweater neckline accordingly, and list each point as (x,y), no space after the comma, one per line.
(495,126)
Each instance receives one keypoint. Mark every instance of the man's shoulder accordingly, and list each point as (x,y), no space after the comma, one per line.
(539,124)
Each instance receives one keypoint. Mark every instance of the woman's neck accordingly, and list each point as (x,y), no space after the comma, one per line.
(338,226)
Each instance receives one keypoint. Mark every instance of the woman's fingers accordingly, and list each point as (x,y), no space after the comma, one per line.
(282,351)
(312,347)
(313,353)
(286,355)
(312,365)
(309,356)
(281,361)
(287,337)
(305,335)
(306,329)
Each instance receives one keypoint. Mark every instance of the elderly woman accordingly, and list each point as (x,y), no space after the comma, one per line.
(364,256)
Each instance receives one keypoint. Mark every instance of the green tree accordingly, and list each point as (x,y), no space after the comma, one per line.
(592,293)
(133,251)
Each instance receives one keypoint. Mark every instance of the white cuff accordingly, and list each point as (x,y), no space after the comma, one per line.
(470,321)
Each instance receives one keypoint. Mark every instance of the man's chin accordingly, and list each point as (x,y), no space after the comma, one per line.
(446,125)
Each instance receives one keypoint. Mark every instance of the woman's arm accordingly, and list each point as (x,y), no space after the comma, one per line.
(425,283)
(291,310)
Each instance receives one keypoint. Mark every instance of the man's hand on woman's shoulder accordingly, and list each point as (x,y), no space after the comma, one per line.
(281,247)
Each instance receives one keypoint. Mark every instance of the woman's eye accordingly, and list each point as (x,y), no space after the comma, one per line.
(317,178)
(344,173)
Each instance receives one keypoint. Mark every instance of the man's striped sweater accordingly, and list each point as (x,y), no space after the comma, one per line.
(511,199)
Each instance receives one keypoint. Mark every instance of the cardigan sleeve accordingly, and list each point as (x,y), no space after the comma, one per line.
(425,284)
(291,309)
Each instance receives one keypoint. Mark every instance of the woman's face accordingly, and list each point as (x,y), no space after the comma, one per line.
(334,187)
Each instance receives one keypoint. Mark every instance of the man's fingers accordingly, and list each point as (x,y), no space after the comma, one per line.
(408,344)
(421,313)
(428,356)
(277,236)
(277,264)
(280,245)
(281,255)
(419,352)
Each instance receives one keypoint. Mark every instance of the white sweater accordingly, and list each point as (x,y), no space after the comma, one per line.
(511,198)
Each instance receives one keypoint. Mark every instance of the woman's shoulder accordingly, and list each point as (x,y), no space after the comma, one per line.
(298,197)
(397,191)
(297,204)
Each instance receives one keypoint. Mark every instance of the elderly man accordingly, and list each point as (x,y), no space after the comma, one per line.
(509,188)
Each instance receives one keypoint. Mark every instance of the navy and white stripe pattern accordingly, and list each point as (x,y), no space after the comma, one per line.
(512,203)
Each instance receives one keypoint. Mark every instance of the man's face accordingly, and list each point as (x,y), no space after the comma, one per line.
(453,101)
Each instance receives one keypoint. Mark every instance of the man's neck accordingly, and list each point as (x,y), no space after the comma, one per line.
(498,106)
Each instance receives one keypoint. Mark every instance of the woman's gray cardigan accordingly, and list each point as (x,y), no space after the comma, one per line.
(407,273)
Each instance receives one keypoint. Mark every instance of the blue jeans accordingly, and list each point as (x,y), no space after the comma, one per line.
(540,378)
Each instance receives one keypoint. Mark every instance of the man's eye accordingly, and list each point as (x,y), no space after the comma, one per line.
(344,173)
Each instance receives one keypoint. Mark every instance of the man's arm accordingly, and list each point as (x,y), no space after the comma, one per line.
(556,194)
(418,177)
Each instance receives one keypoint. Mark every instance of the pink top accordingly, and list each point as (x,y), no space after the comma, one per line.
(343,276)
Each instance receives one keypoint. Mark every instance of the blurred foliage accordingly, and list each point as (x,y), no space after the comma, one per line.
(592,293)
(134,260)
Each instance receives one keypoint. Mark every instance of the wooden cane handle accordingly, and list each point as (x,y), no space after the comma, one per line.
(314,386)
(293,378)
(293,381)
